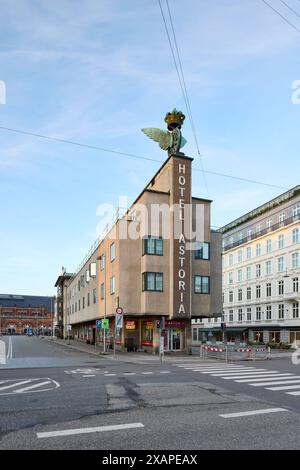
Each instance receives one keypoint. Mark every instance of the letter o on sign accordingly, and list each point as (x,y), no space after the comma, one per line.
(181,180)
(181,273)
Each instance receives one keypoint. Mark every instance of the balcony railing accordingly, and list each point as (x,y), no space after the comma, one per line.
(264,231)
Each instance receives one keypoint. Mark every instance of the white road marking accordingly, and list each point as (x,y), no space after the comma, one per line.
(240,372)
(268,377)
(129,373)
(288,387)
(72,432)
(25,389)
(164,372)
(252,413)
(108,375)
(211,371)
(147,373)
(10,349)
(15,384)
(89,375)
(293,393)
(280,382)
(249,376)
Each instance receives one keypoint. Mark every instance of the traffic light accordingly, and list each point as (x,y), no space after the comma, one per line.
(158,324)
(223,326)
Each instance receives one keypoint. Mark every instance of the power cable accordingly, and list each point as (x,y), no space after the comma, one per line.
(290,8)
(131,155)
(282,16)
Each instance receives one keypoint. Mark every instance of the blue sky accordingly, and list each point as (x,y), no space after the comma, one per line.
(96,72)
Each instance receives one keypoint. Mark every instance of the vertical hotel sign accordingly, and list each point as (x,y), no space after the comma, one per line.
(181,225)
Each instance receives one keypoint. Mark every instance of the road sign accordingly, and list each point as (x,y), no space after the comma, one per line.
(98,324)
(119,310)
(119,321)
(69,327)
(105,323)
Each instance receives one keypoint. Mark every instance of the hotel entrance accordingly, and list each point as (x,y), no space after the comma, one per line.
(174,336)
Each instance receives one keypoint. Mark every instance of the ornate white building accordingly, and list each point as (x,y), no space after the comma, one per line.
(261,275)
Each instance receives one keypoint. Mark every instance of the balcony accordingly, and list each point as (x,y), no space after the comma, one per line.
(253,236)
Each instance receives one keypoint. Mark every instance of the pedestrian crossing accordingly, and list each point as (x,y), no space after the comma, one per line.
(273,380)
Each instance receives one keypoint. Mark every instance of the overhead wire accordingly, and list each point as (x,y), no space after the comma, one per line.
(281,15)
(131,155)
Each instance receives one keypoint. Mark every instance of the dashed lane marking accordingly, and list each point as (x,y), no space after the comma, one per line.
(252,413)
(72,432)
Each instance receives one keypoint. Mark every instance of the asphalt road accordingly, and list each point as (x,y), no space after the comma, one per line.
(54,397)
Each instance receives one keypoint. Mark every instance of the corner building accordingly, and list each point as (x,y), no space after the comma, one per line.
(146,264)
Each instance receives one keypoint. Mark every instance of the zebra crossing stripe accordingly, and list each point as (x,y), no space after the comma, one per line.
(40,384)
(293,393)
(281,382)
(241,372)
(267,377)
(288,387)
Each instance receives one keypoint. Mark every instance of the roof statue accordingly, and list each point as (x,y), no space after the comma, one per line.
(170,140)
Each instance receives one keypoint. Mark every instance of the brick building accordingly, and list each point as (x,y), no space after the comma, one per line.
(18,313)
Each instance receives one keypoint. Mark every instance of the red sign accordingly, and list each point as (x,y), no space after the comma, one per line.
(175,324)
(119,310)
(147,343)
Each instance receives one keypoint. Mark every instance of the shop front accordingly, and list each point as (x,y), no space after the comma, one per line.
(174,335)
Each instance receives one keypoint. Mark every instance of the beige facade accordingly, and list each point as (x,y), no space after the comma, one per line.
(147,266)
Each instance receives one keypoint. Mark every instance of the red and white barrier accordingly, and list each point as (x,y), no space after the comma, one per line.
(243,350)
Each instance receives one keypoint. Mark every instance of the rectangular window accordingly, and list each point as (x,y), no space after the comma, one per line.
(230,260)
(258,270)
(230,277)
(153,246)
(296,210)
(88,299)
(295,235)
(296,310)
(231,296)
(295,284)
(268,289)
(248,273)
(249,252)
(230,315)
(280,241)
(249,314)
(268,268)
(94,296)
(102,291)
(258,229)
(268,312)
(240,256)
(79,305)
(258,249)
(112,285)
(202,250)
(258,313)
(280,288)
(102,262)
(281,217)
(83,302)
(269,223)
(240,314)
(268,246)
(281,311)
(249,234)
(295,260)
(240,275)
(280,264)
(248,293)
(153,282)
(258,292)
(240,295)
(201,284)
(112,251)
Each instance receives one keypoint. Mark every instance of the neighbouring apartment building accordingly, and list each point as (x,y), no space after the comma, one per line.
(261,274)
(147,265)
(20,313)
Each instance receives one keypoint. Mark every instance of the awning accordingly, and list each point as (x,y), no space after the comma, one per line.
(230,329)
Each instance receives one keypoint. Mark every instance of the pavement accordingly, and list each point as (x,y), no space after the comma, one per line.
(53,396)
